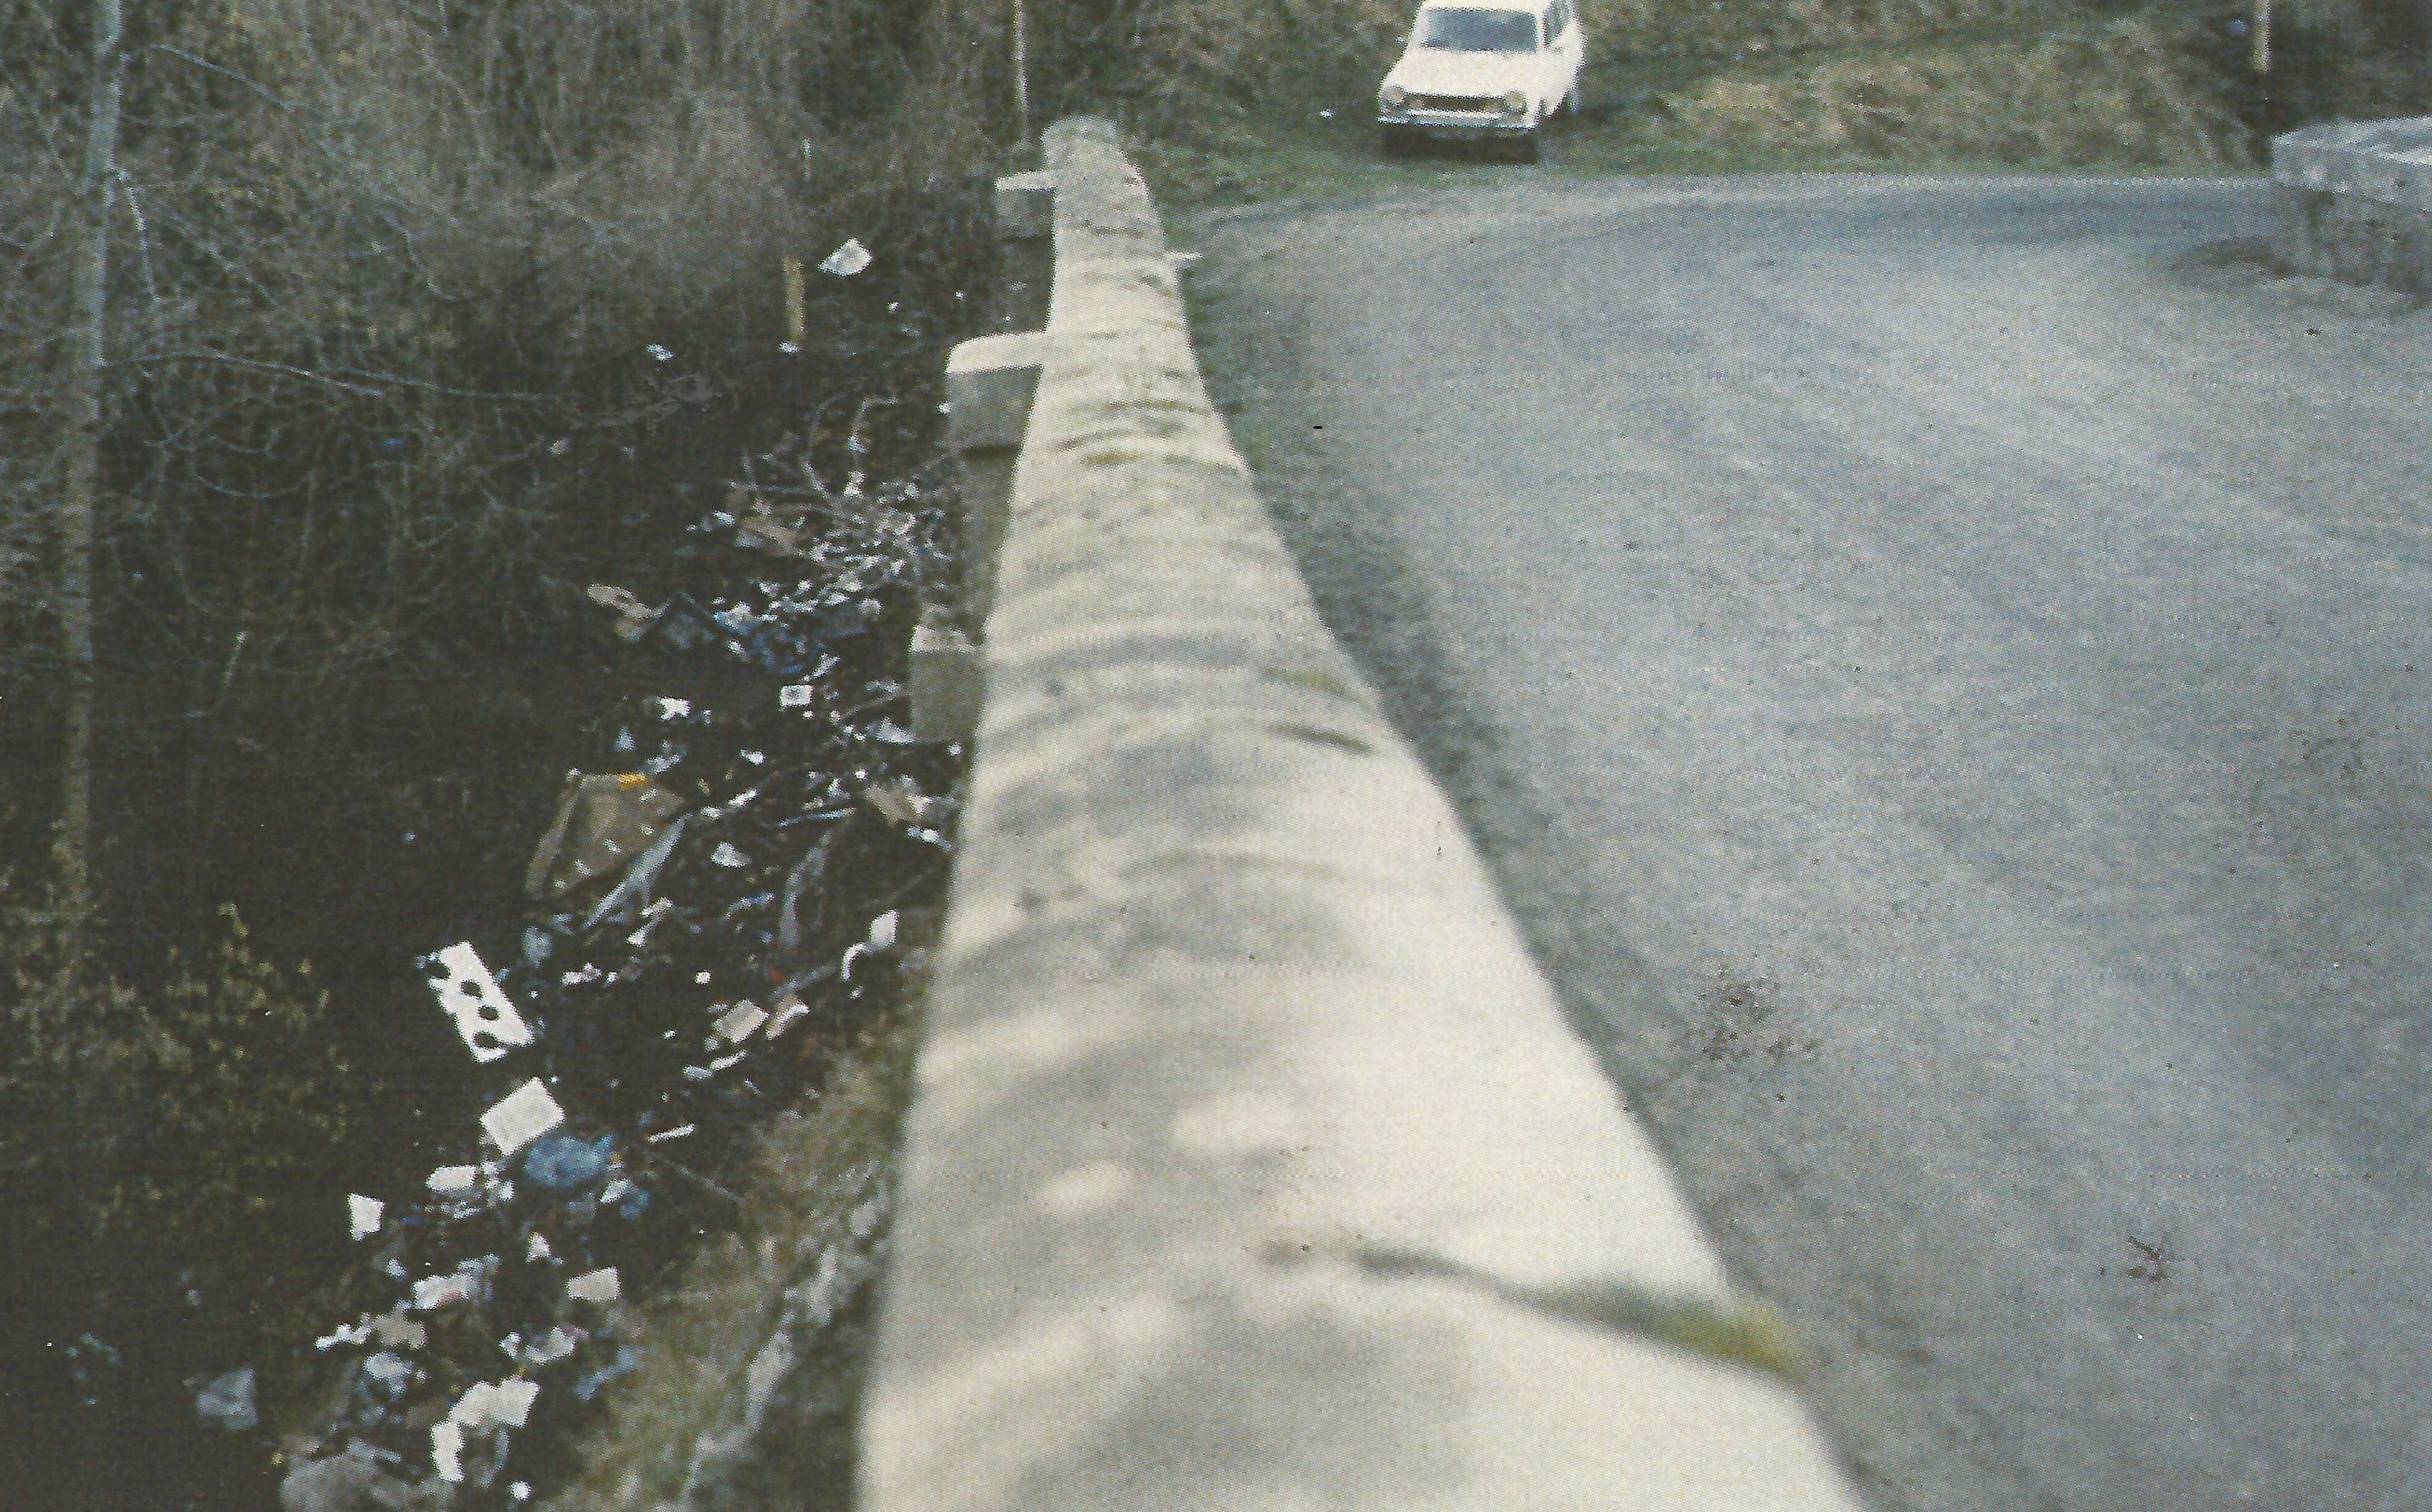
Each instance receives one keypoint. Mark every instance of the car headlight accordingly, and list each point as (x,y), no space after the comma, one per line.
(1515,102)
(1393,96)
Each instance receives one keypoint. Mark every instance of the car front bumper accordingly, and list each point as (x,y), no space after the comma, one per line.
(1455,125)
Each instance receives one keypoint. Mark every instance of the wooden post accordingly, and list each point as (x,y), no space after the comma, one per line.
(2262,37)
(1022,72)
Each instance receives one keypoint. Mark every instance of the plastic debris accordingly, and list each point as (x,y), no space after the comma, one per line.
(399,1332)
(511,1402)
(735,1025)
(448,1450)
(715,904)
(485,1021)
(226,1402)
(603,823)
(633,617)
(848,259)
(658,353)
(521,1116)
(561,1163)
(595,1286)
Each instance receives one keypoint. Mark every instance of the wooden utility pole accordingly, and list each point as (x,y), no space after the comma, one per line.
(2262,35)
(72,841)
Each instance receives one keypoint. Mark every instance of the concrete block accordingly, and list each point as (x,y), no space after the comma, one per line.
(989,385)
(2353,201)
(948,680)
(1026,207)
(985,492)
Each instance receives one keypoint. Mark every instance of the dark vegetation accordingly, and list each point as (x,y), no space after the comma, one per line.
(387,287)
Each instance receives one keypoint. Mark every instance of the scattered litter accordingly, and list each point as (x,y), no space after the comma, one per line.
(399,1332)
(448,1450)
(658,353)
(595,1286)
(633,617)
(602,824)
(510,1402)
(354,1333)
(561,1163)
(473,1407)
(521,1116)
(226,1402)
(735,1025)
(848,259)
(485,1021)
(741,831)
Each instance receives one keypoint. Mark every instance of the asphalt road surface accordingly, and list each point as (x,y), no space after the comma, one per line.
(1944,671)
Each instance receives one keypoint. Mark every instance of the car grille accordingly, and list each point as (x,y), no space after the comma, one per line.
(1486,103)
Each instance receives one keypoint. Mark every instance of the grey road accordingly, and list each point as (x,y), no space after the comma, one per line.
(1944,671)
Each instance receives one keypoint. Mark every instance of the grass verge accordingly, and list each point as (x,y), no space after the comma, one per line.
(753,1360)
(2119,94)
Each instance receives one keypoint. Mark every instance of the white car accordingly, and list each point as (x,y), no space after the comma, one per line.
(1476,70)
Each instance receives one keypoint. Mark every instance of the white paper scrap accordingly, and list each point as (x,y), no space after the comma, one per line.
(363,1215)
(521,1116)
(512,1402)
(797,696)
(847,260)
(474,1407)
(735,1025)
(453,1181)
(882,931)
(485,1021)
(595,1286)
(552,1347)
(448,1449)
(432,1293)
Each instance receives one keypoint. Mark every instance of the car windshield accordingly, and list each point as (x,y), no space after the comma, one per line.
(1479,31)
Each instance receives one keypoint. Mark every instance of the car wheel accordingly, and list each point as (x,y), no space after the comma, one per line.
(1393,141)
(1526,147)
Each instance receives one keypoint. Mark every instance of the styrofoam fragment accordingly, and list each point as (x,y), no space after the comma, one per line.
(363,1215)
(735,1025)
(521,1116)
(453,1181)
(848,259)
(485,1021)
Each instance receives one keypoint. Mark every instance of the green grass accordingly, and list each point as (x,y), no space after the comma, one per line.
(1297,153)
